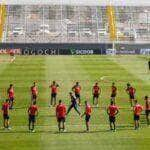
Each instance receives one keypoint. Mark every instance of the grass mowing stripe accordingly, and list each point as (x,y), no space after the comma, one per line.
(135,65)
(22,73)
(71,64)
(62,69)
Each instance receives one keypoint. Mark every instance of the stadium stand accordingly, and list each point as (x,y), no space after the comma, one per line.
(78,24)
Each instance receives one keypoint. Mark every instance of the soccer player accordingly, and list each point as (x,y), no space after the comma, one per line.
(77,89)
(131,92)
(147,108)
(61,115)
(32,113)
(87,114)
(137,109)
(54,89)
(11,94)
(5,109)
(149,64)
(12,55)
(112,111)
(96,92)
(113,92)
(73,104)
(34,92)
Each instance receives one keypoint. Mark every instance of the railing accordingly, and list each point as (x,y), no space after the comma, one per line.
(77,24)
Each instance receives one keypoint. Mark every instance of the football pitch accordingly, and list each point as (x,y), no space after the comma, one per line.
(66,70)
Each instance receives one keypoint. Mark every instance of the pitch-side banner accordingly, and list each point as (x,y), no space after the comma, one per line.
(75,49)
(59,49)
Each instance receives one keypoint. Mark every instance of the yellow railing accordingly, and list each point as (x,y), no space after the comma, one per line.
(111,23)
(2,19)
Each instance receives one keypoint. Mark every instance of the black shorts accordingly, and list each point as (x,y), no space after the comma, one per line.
(11,99)
(32,118)
(112,118)
(113,95)
(147,112)
(131,96)
(34,96)
(77,95)
(53,95)
(96,95)
(136,117)
(87,118)
(61,119)
(6,116)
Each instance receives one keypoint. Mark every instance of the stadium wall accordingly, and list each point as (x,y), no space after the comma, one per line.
(74,48)
(123,48)
(57,49)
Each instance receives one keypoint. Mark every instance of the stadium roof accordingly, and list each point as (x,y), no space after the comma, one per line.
(79,2)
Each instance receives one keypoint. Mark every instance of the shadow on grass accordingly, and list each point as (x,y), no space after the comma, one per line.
(118,128)
(52,132)
(83,132)
(125,127)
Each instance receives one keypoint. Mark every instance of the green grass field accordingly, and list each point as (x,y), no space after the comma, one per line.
(66,70)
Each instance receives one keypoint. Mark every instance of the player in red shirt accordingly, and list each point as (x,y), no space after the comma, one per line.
(77,90)
(32,113)
(11,95)
(54,90)
(113,92)
(96,92)
(61,115)
(87,114)
(5,109)
(137,109)
(12,55)
(34,92)
(131,92)
(147,109)
(112,111)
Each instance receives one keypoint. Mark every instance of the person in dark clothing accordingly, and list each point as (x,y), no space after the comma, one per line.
(73,104)
(149,64)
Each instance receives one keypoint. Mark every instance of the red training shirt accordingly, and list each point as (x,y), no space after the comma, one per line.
(34,90)
(32,110)
(137,109)
(114,90)
(131,90)
(147,105)
(11,93)
(88,110)
(112,110)
(60,111)
(96,89)
(77,89)
(54,89)
(5,108)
